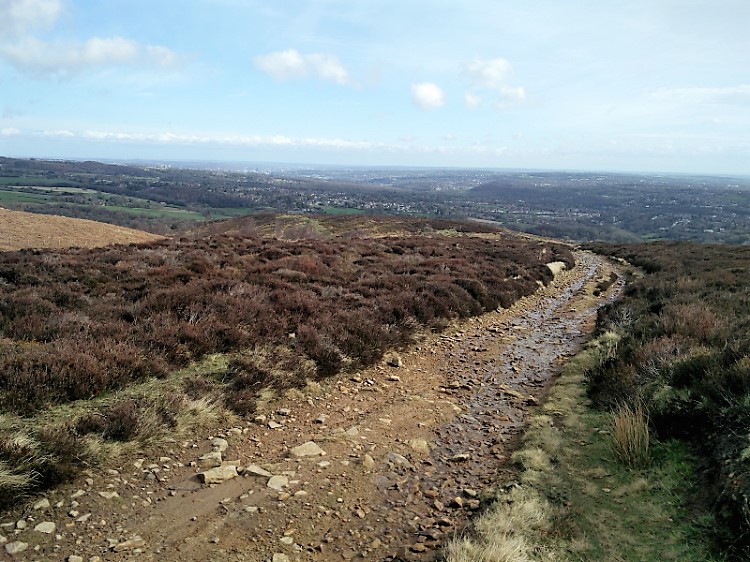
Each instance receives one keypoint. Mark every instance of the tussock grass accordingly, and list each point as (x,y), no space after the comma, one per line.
(533,459)
(503,549)
(46,449)
(631,436)
(574,502)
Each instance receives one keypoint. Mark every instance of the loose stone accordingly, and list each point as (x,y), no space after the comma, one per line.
(16,547)
(308,449)
(278,483)
(130,544)
(47,527)
(219,474)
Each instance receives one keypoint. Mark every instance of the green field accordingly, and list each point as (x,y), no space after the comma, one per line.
(57,189)
(229,212)
(31,181)
(19,197)
(50,198)
(156,212)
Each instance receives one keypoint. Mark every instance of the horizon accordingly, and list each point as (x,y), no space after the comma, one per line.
(640,87)
(264,166)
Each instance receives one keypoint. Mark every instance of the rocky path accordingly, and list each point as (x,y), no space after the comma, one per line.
(392,461)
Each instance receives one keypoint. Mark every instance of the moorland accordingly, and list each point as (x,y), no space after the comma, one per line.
(220,314)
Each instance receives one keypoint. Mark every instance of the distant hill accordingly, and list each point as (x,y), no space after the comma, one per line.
(19,230)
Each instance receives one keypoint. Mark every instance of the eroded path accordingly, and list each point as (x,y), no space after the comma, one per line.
(408,451)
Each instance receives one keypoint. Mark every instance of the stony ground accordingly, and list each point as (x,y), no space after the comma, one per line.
(384,465)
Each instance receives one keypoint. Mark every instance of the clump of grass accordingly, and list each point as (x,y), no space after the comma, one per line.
(630,436)
(501,534)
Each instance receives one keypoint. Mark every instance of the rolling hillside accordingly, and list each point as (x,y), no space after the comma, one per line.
(19,230)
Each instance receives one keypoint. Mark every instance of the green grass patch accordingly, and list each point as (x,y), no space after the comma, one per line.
(31,181)
(156,212)
(228,212)
(60,190)
(587,506)
(18,197)
(50,197)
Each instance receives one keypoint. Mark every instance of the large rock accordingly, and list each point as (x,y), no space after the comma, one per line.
(210,460)
(219,444)
(219,474)
(556,267)
(309,449)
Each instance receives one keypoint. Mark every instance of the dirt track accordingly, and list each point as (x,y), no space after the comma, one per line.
(409,451)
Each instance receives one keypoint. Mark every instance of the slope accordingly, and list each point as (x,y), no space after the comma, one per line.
(19,230)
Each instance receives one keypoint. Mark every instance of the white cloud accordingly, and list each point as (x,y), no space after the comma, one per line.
(161,56)
(405,145)
(283,65)
(10,132)
(492,75)
(513,94)
(729,95)
(61,133)
(215,139)
(329,68)
(25,51)
(472,101)
(427,95)
(20,16)
(291,64)
(489,74)
(55,60)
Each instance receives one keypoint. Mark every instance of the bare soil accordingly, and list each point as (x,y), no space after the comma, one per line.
(20,230)
(411,452)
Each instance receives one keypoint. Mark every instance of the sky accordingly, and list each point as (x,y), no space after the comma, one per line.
(617,85)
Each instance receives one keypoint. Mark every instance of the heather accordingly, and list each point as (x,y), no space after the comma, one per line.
(683,354)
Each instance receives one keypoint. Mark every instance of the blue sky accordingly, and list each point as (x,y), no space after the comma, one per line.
(639,85)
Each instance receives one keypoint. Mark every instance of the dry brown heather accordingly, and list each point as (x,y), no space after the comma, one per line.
(293,298)
(19,230)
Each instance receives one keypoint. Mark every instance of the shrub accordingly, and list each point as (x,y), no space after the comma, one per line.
(327,358)
(84,322)
(684,353)
(122,420)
